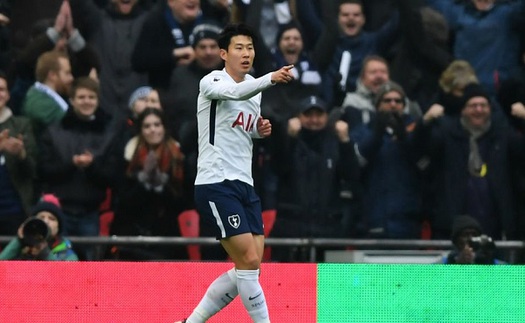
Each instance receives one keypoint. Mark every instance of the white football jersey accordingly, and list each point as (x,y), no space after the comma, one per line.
(227,114)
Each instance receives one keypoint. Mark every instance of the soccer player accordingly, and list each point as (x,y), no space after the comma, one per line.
(228,118)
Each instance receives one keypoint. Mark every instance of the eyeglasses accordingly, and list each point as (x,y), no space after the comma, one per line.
(388,100)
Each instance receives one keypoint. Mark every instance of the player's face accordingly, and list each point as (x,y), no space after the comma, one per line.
(84,102)
(238,59)
(153,130)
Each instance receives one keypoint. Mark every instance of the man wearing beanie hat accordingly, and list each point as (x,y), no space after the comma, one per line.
(389,86)
(470,245)
(40,236)
(474,159)
(204,31)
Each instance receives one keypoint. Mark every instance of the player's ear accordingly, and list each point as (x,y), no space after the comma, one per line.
(223,53)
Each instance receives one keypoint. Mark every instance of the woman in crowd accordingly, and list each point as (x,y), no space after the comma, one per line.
(151,195)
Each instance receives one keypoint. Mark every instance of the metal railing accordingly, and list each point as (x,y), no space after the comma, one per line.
(512,247)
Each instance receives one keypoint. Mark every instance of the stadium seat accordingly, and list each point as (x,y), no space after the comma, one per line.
(268,217)
(189,227)
(106,215)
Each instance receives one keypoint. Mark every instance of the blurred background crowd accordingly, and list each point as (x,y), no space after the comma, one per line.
(404,115)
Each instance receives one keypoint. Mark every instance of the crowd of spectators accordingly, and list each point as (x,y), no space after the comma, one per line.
(403,115)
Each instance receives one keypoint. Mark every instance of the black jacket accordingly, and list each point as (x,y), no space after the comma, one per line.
(79,190)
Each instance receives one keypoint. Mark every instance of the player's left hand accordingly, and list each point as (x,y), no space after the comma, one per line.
(264,127)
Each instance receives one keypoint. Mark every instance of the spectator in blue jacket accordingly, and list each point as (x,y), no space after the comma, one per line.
(390,176)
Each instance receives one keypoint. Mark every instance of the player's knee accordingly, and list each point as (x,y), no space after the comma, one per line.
(250,261)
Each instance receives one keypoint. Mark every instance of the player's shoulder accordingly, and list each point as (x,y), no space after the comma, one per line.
(216,76)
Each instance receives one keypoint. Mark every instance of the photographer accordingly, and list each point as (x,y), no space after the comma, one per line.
(470,245)
(39,236)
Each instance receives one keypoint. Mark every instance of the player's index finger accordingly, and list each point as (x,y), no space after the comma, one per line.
(288,67)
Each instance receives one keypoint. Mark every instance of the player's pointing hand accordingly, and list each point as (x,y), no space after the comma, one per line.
(283,75)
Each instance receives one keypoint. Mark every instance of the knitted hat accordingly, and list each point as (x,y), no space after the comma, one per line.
(387,87)
(141,92)
(203,31)
(51,208)
(463,222)
(473,90)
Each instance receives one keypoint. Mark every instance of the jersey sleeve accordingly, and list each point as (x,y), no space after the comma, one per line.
(218,87)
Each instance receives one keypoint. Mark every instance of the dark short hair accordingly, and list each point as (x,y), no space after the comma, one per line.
(232,30)
(284,28)
(84,82)
(358,2)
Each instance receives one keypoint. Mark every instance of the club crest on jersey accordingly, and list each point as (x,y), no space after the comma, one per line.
(234,220)
(244,122)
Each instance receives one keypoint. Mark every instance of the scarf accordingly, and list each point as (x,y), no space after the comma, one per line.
(476,166)
(170,160)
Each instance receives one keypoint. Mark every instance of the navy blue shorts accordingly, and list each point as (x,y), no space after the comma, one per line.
(232,207)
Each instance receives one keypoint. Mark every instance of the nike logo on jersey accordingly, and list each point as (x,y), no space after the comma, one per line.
(254,297)
(216,79)
(244,122)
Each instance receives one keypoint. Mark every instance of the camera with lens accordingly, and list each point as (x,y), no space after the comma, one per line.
(482,243)
(35,231)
